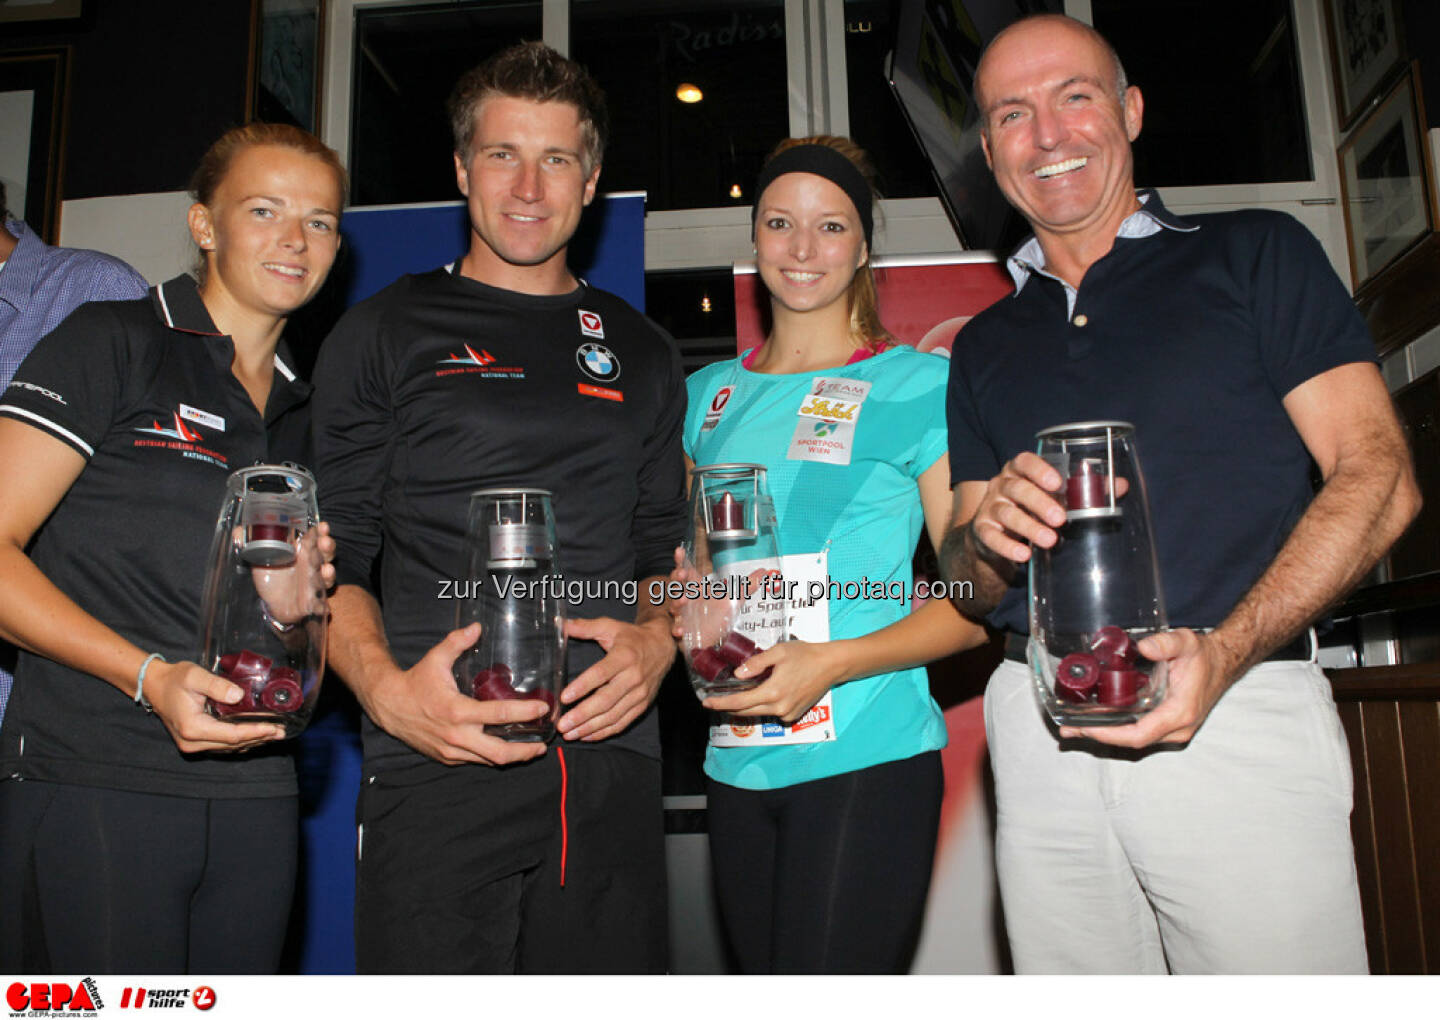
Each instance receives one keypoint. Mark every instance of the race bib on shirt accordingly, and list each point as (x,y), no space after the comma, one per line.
(808,620)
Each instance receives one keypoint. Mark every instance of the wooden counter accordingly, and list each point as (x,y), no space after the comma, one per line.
(1391,716)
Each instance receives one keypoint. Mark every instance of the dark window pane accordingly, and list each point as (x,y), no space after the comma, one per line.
(876,122)
(406,61)
(697,308)
(1223,100)
(686,155)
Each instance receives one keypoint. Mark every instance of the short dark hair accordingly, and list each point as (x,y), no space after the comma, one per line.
(534,71)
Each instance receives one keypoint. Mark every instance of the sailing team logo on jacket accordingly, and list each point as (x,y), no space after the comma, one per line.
(183,437)
(181,431)
(478,362)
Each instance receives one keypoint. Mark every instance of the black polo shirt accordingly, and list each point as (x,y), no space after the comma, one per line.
(1194,334)
(440,385)
(143,390)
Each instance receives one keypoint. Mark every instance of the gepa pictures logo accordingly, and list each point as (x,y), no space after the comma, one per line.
(53,998)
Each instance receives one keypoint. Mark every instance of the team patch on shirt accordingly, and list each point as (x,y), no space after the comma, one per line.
(477,361)
(183,438)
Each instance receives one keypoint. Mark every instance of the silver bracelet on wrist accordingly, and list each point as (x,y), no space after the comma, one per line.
(140,698)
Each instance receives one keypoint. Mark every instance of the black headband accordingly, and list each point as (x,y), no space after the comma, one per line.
(822,161)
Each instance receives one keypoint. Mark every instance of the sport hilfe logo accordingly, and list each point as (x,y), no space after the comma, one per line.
(202,998)
(57,997)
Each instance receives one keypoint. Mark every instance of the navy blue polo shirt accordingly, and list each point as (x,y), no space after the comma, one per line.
(143,390)
(1195,334)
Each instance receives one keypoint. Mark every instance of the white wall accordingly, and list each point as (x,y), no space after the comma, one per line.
(147,231)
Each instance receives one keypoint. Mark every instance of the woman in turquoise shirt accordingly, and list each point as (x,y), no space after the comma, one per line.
(823,833)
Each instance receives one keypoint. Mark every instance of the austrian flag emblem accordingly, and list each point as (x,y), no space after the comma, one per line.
(590,325)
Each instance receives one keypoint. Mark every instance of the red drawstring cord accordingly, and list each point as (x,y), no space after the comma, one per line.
(564,822)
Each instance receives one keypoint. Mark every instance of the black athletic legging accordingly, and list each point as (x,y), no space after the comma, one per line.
(827,877)
(96,881)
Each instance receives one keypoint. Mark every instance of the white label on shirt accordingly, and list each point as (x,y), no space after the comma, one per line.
(828,415)
(808,621)
(199,417)
(838,400)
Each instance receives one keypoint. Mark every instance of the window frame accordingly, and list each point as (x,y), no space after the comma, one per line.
(819,103)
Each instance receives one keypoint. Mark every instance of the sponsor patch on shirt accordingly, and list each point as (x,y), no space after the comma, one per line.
(601,391)
(199,417)
(717,407)
(51,394)
(598,362)
(590,325)
(828,415)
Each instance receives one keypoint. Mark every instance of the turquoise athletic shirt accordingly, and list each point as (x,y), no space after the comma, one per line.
(868,517)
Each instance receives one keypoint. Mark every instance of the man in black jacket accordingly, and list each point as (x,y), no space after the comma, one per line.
(504,370)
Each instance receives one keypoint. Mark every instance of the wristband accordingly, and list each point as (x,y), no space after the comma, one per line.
(140,698)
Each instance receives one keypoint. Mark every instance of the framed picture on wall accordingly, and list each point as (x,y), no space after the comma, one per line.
(32,122)
(286,62)
(1384,181)
(1366,47)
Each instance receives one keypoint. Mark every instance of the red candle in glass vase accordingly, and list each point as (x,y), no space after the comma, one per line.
(282,692)
(727,514)
(710,666)
(1113,648)
(1119,688)
(1077,676)
(1087,488)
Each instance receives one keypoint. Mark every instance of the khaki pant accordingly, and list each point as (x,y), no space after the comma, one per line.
(1230,855)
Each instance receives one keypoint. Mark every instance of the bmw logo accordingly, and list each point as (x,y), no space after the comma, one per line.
(598,362)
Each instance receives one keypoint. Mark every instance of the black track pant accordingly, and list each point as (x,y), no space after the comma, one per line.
(460,868)
(96,881)
(827,877)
